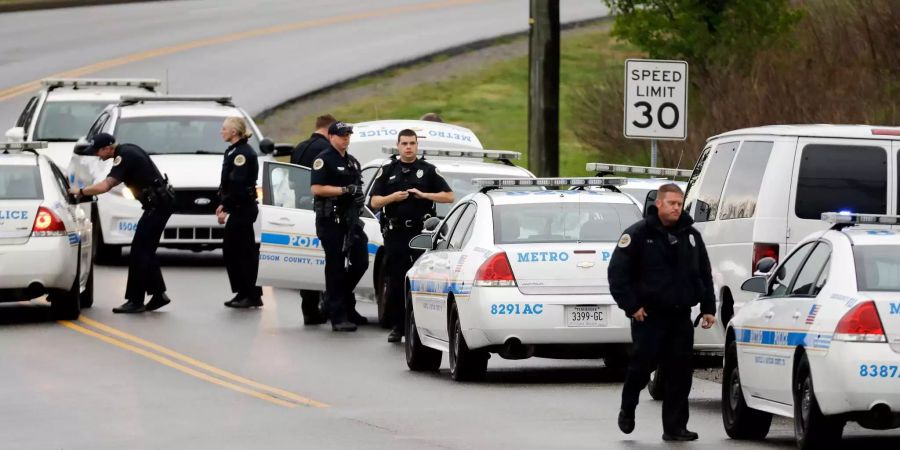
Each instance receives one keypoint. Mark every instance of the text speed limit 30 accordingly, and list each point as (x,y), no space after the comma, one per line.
(656,99)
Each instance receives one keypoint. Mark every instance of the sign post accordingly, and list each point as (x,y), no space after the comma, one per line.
(656,101)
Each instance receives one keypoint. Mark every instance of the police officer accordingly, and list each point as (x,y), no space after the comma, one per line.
(132,166)
(407,189)
(337,186)
(304,154)
(237,211)
(658,271)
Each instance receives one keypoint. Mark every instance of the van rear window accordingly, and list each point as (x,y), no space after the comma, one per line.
(742,190)
(841,178)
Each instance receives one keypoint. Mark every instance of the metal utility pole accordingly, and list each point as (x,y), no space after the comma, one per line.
(543,88)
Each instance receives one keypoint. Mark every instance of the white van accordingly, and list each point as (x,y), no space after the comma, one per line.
(757,192)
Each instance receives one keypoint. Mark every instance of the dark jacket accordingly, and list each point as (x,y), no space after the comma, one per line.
(306,152)
(648,271)
(237,188)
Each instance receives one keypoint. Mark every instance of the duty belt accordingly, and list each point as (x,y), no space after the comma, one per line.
(394,222)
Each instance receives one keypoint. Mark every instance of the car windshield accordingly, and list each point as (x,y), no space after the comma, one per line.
(66,121)
(877,267)
(545,222)
(20,183)
(176,134)
(461,184)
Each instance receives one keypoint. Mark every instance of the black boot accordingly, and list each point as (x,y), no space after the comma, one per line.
(626,421)
(158,301)
(234,299)
(396,335)
(247,302)
(129,307)
(680,435)
(357,318)
(343,326)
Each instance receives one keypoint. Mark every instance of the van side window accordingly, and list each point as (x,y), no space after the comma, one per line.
(841,178)
(742,190)
(690,194)
(713,181)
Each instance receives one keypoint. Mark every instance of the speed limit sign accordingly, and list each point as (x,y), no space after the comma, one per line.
(656,99)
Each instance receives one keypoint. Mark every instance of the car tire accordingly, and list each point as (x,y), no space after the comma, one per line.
(87,297)
(657,384)
(103,253)
(381,284)
(465,364)
(740,421)
(812,429)
(419,358)
(66,305)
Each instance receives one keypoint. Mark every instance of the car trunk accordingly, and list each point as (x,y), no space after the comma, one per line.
(560,268)
(16,220)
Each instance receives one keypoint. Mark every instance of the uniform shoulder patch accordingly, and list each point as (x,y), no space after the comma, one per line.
(117,161)
(438,172)
(318,164)
(624,241)
(240,160)
(692,240)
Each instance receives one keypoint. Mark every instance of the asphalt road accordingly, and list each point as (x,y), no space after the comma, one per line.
(262,52)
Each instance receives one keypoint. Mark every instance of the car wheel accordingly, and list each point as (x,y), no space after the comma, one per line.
(103,253)
(812,429)
(419,358)
(740,421)
(465,364)
(381,289)
(87,297)
(65,305)
(657,384)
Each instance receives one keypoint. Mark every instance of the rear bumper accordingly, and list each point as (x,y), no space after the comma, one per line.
(50,262)
(842,385)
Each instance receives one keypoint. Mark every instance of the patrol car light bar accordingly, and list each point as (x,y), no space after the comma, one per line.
(22,146)
(850,219)
(518,182)
(132,99)
(640,170)
(459,153)
(76,82)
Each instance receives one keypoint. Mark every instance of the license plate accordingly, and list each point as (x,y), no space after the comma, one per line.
(586,315)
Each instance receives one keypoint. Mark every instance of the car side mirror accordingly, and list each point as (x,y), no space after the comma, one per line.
(266,146)
(432,223)
(283,150)
(15,134)
(651,199)
(424,241)
(81,147)
(765,265)
(755,284)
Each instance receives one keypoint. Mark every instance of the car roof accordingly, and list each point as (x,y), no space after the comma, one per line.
(431,134)
(518,197)
(817,130)
(159,109)
(18,159)
(97,94)
(873,235)
(467,165)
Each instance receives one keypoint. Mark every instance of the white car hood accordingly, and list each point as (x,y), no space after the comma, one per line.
(190,171)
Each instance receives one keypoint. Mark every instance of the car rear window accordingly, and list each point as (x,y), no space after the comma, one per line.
(841,178)
(562,222)
(461,184)
(877,267)
(176,134)
(67,121)
(19,182)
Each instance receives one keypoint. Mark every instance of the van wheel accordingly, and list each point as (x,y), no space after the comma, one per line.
(419,358)
(87,297)
(740,421)
(381,289)
(465,364)
(812,429)
(65,305)
(657,384)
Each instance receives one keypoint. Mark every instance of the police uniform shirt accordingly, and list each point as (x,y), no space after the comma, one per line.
(401,176)
(133,166)
(307,151)
(239,171)
(332,169)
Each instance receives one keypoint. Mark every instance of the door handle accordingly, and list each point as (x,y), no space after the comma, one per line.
(796,315)
(770,315)
(283,222)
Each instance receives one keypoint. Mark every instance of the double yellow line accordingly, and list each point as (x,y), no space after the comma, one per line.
(188,365)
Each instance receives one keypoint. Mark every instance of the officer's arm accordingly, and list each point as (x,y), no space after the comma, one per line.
(438,197)
(708,299)
(621,273)
(324,190)
(442,192)
(100,187)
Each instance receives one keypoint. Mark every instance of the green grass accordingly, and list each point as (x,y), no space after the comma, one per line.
(493,100)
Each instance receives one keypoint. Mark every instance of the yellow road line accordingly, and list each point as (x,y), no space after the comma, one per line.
(30,86)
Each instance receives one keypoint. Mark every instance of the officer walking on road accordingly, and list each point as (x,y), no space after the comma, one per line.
(658,271)
(337,186)
(237,211)
(407,189)
(133,166)
(304,154)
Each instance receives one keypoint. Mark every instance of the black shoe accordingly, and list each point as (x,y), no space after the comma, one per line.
(396,335)
(681,435)
(314,318)
(357,318)
(129,307)
(626,421)
(158,301)
(247,302)
(343,326)
(234,299)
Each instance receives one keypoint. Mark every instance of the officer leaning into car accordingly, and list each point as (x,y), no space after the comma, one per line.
(237,210)
(337,187)
(658,271)
(407,189)
(133,166)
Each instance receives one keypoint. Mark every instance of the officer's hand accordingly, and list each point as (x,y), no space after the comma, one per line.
(417,193)
(640,315)
(221,216)
(399,196)
(359,200)
(220,209)
(708,321)
(351,190)
(75,191)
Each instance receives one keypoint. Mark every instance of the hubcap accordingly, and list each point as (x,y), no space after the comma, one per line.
(805,402)
(456,336)
(735,394)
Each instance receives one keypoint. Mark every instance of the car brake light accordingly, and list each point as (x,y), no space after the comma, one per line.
(496,271)
(860,324)
(761,251)
(886,132)
(48,224)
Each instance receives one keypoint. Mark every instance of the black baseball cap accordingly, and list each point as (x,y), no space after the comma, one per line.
(101,140)
(340,129)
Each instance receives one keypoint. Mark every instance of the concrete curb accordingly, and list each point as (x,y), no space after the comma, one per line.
(33,5)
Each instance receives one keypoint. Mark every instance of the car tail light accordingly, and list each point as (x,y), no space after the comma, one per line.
(48,224)
(886,132)
(860,324)
(761,251)
(496,271)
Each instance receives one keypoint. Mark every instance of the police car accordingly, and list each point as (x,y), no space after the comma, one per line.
(519,273)
(182,136)
(65,108)
(45,239)
(821,343)
(642,189)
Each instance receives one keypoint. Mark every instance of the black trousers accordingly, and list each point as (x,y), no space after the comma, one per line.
(342,270)
(241,254)
(144,273)
(399,258)
(667,342)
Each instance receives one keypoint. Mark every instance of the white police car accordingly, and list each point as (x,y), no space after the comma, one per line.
(519,273)
(642,189)
(182,136)
(45,239)
(65,108)
(821,343)
(370,137)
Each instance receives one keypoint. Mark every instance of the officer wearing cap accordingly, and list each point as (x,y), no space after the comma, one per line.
(337,186)
(407,189)
(132,166)
(237,211)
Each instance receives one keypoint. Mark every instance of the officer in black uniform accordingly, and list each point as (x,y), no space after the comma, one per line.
(132,166)
(304,154)
(237,211)
(337,186)
(658,271)
(407,189)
